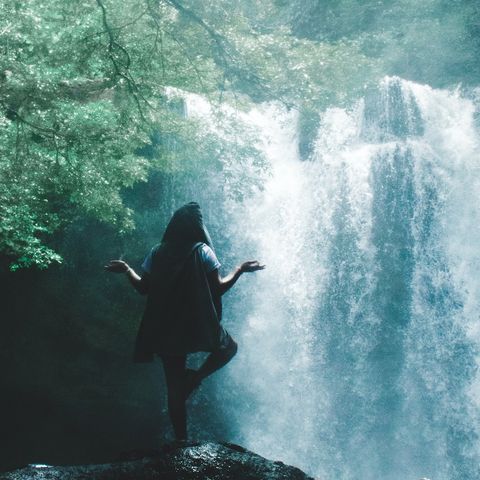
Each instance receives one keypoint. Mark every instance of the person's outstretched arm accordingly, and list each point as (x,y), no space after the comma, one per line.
(224,284)
(139,283)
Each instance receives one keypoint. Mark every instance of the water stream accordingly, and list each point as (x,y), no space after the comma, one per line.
(359,343)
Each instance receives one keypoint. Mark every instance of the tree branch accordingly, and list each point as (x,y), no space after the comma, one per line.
(219,40)
(121,27)
(126,75)
(189,58)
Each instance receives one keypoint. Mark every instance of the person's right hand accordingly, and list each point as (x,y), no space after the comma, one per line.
(117,266)
(251,266)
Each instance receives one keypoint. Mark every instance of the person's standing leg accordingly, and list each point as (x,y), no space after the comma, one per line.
(174,367)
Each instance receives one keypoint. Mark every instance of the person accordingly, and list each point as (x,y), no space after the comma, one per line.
(183,310)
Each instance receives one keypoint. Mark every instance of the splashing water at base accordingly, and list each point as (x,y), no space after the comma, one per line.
(359,342)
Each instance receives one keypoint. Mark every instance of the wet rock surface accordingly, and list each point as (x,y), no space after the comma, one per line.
(189,461)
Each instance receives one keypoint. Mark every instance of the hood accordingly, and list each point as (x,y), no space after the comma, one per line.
(186,227)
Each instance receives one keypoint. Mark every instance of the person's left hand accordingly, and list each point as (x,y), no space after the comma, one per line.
(251,266)
(116,266)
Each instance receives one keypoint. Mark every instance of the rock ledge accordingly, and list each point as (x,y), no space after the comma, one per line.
(188,461)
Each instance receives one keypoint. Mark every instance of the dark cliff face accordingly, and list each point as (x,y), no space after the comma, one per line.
(215,461)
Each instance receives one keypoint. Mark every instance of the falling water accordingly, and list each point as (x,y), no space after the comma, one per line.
(359,342)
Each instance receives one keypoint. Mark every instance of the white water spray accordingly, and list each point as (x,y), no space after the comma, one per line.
(359,342)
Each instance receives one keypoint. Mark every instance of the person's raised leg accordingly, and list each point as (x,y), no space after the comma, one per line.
(174,367)
(216,360)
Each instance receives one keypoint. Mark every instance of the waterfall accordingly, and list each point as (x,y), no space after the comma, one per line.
(359,342)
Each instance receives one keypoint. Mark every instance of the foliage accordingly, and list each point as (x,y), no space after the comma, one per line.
(435,41)
(84,85)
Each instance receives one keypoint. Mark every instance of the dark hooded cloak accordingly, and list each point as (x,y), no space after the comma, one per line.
(182,314)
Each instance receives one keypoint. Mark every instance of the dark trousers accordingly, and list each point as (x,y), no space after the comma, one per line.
(176,374)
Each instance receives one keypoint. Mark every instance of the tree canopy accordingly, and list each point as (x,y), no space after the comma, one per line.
(85,87)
